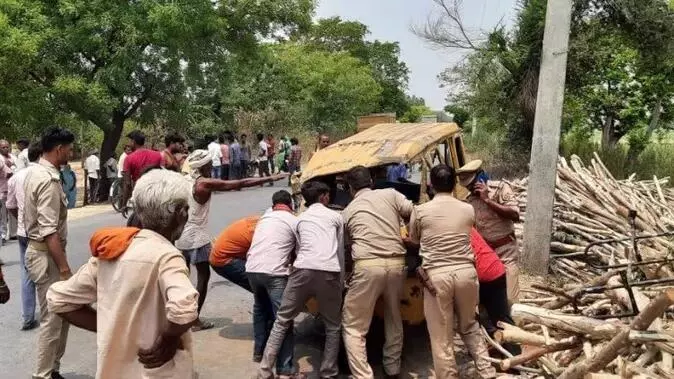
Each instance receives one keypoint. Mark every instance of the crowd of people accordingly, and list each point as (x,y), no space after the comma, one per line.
(138,275)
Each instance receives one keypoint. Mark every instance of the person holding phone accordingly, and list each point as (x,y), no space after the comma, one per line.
(496,211)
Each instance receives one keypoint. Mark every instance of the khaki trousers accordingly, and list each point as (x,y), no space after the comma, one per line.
(53,333)
(457,297)
(509,255)
(372,279)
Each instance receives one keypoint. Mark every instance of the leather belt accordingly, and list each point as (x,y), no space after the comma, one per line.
(495,244)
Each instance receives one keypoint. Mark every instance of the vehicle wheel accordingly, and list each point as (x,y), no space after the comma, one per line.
(116,197)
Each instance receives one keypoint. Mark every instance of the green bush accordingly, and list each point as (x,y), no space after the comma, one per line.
(501,159)
(655,159)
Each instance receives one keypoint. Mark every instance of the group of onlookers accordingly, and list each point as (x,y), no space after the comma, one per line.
(235,158)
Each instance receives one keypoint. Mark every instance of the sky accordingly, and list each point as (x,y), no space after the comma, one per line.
(390,20)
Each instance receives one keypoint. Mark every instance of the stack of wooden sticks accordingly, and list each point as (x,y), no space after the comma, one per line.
(570,332)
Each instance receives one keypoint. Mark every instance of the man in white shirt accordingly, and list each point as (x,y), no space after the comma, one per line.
(7,168)
(120,165)
(262,156)
(216,156)
(15,204)
(267,269)
(317,272)
(93,166)
(22,160)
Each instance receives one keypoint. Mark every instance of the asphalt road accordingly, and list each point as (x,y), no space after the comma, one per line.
(223,352)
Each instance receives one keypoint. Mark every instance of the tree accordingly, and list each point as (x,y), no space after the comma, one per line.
(336,35)
(460,114)
(415,113)
(293,85)
(104,60)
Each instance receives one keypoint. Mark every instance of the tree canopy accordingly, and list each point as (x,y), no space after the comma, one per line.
(619,69)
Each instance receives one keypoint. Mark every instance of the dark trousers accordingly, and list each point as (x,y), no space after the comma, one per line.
(303,284)
(268,292)
(224,172)
(93,190)
(235,172)
(272,164)
(494,301)
(263,169)
(235,272)
(244,169)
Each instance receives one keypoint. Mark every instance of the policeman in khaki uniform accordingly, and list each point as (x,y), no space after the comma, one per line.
(45,214)
(495,215)
(442,228)
(372,221)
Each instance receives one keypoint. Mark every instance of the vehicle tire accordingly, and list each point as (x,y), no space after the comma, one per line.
(116,196)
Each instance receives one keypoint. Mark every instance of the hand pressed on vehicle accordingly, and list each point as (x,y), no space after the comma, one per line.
(163,350)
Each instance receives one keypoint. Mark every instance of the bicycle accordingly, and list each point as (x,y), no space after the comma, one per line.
(116,195)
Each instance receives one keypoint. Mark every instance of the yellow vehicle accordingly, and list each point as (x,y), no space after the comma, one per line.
(378,147)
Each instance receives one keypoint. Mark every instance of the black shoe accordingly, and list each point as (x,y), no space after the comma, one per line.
(257,358)
(29,325)
(56,375)
(396,376)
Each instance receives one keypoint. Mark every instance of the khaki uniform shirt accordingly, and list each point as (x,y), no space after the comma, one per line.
(373,222)
(490,225)
(137,295)
(46,207)
(442,227)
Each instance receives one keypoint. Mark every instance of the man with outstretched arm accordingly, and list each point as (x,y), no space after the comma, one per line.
(195,242)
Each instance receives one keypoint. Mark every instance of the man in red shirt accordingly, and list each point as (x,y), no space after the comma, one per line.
(491,274)
(137,162)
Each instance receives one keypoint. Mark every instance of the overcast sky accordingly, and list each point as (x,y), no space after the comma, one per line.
(390,20)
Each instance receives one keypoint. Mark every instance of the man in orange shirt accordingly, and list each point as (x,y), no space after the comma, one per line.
(228,256)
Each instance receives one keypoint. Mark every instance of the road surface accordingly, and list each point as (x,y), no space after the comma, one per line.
(222,352)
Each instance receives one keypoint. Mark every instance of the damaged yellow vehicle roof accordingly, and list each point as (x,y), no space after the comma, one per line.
(378,145)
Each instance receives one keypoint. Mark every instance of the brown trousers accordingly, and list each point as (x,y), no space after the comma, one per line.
(53,333)
(372,279)
(509,255)
(457,297)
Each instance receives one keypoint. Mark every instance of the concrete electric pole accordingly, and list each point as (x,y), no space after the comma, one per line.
(545,143)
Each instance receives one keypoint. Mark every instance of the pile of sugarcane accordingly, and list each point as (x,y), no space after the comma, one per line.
(569,332)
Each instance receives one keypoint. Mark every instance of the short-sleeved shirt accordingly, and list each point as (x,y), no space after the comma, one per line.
(6,165)
(245,152)
(488,264)
(22,160)
(224,149)
(271,143)
(137,295)
(373,221)
(92,165)
(235,154)
(136,162)
(263,152)
(320,239)
(490,225)
(273,242)
(120,165)
(46,206)
(296,156)
(442,227)
(216,153)
(234,242)
(16,198)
